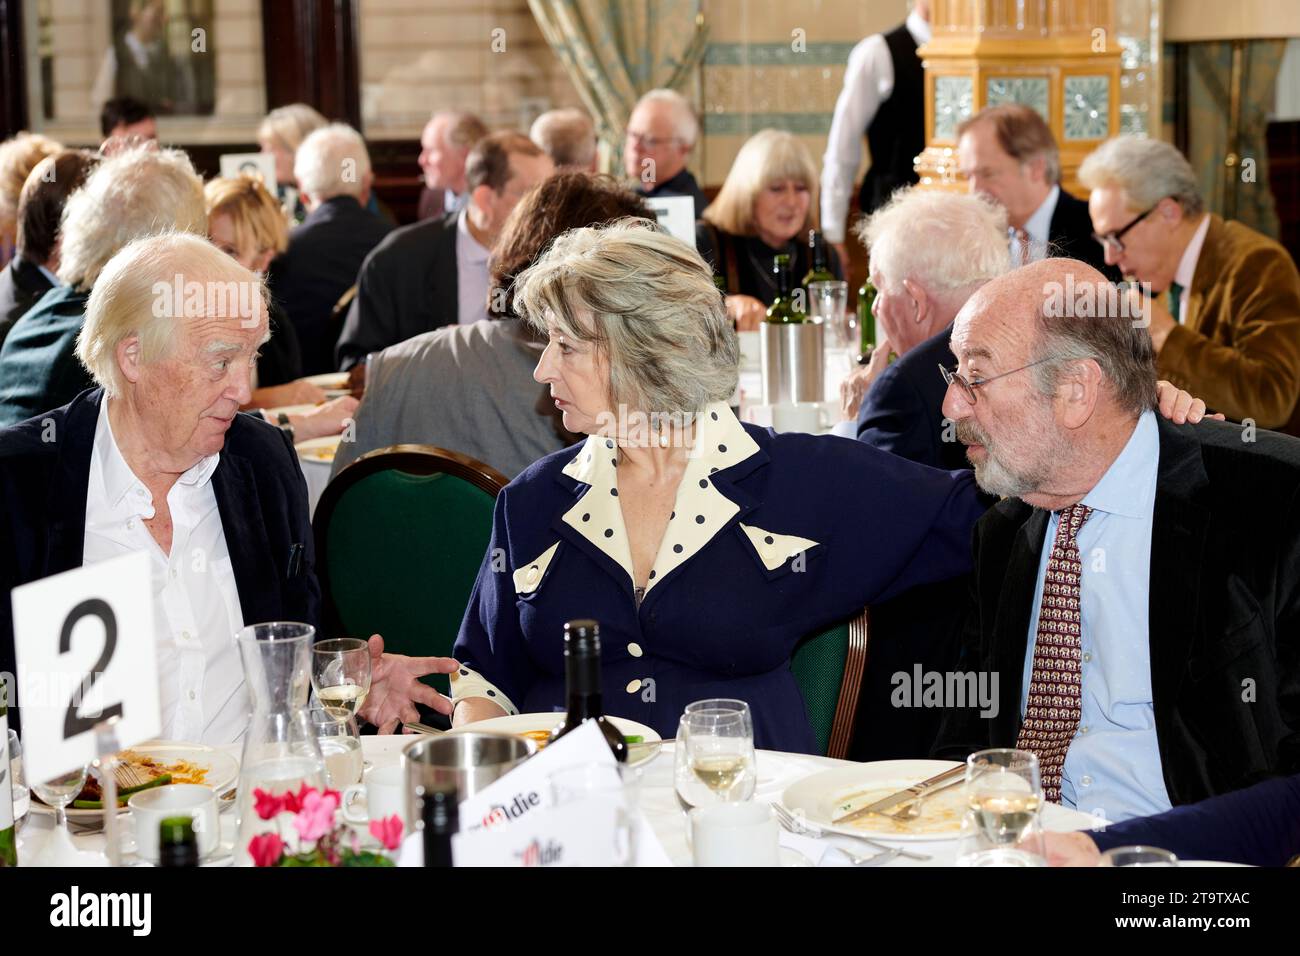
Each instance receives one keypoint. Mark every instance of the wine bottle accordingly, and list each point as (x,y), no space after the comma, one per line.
(819,270)
(582,682)
(782,310)
(177,844)
(8,832)
(866,320)
(440,816)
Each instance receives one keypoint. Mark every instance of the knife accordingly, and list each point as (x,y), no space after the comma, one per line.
(925,787)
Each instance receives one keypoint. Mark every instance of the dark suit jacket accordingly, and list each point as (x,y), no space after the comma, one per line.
(903,411)
(260,491)
(1070,233)
(407,286)
(324,256)
(683,184)
(21,285)
(39,368)
(1224,611)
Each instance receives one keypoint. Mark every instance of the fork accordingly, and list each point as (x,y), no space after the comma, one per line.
(802,827)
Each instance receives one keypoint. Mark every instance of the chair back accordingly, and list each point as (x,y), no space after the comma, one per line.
(828,667)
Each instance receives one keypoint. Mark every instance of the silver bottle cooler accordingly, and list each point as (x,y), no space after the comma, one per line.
(792,360)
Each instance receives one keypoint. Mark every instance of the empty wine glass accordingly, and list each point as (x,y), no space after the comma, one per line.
(340,673)
(60,792)
(714,757)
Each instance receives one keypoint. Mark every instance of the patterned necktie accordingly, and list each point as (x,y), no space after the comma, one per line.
(1052,714)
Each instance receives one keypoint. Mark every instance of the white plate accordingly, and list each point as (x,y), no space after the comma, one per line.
(223,771)
(290,410)
(319,449)
(523,723)
(1198,863)
(817,797)
(329,380)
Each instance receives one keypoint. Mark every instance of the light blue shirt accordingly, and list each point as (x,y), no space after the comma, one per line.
(1113,765)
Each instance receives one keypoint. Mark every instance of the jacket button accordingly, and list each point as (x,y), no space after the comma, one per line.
(634,650)
(633,686)
(532,575)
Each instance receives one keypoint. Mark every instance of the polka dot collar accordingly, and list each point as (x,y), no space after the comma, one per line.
(700,511)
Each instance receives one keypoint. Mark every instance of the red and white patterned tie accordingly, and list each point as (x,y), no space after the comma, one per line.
(1052,714)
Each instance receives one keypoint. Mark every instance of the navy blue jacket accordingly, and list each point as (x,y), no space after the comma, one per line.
(39,368)
(261,496)
(770,542)
(1259,826)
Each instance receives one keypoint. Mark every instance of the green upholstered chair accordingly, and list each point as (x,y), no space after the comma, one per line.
(400,534)
(828,668)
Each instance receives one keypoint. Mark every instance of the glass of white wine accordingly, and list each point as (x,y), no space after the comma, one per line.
(1003,799)
(340,745)
(60,792)
(714,757)
(340,674)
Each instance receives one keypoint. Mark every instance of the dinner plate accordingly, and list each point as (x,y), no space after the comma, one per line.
(523,723)
(291,410)
(329,380)
(820,797)
(1200,863)
(223,772)
(319,449)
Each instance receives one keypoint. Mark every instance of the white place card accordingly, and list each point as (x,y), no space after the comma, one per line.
(85,646)
(676,214)
(235,164)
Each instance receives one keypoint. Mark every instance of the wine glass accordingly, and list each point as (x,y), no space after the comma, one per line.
(602,787)
(1137,856)
(714,757)
(21,795)
(340,673)
(1003,797)
(340,745)
(60,792)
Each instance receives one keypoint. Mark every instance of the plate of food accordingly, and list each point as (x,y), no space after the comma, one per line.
(157,763)
(826,798)
(329,381)
(319,449)
(538,727)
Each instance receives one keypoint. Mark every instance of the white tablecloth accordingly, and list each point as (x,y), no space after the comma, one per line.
(656,798)
(317,473)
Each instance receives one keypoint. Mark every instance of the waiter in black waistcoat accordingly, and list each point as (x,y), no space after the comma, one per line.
(884,99)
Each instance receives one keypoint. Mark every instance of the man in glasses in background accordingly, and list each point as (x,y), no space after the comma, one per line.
(1226,323)
(661,133)
(1142,618)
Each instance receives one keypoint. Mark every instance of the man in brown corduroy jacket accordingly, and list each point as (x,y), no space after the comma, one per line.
(1226,324)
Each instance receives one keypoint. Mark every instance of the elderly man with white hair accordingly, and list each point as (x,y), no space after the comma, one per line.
(568,137)
(158,459)
(134,193)
(661,133)
(326,250)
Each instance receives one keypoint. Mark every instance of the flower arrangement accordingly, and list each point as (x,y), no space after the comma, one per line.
(313,818)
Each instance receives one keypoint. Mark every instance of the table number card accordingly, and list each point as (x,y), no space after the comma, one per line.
(234,165)
(85,646)
(676,214)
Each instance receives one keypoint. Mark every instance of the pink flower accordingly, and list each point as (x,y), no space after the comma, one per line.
(388,832)
(316,818)
(293,801)
(267,805)
(265,849)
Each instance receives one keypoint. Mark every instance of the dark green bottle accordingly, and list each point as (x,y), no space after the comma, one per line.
(819,269)
(782,311)
(867,321)
(177,844)
(440,815)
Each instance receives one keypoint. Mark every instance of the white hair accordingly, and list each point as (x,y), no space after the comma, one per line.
(941,240)
(567,136)
(684,121)
(332,161)
(138,192)
(133,297)
(1148,170)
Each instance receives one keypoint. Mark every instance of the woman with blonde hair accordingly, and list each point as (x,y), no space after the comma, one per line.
(18,157)
(246,223)
(766,207)
(280,134)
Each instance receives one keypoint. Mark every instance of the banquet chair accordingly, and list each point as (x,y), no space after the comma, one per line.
(828,667)
(400,534)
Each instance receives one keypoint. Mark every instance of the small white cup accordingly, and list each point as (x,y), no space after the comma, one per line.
(797,417)
(149,808)
(385,790)
(735,834)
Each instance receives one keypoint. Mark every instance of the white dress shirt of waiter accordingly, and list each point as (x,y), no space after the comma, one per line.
(173,386)
(868,82)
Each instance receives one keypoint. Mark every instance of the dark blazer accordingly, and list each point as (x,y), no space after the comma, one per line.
(280,359)
(683,184)
(1070,233)
(39,368)
(1224,611)
(903,410)
(21,286)
(261,496)
(1258,826)
(324,256)
(407,286)
(725,620)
